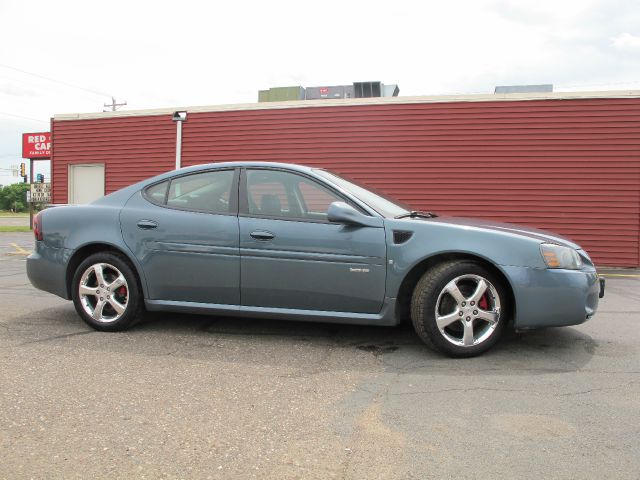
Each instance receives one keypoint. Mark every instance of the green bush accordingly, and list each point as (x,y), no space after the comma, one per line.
(14,197)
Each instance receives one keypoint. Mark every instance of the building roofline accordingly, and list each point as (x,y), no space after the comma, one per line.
(483,97)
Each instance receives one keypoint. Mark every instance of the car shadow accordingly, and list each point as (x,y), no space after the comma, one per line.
(278,342)
(399,348)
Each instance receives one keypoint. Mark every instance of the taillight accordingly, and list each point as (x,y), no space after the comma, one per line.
(37,227)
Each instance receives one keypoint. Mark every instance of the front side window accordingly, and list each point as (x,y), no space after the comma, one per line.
(278,194)
(382,204)
(203,192)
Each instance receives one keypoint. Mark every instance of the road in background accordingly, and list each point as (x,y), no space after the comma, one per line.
(14,221)
(217,397)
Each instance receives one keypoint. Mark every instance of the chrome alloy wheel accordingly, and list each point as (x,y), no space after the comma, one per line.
(103,292)
(468,310)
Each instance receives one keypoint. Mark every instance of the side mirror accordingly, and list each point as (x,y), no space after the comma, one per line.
(340,212)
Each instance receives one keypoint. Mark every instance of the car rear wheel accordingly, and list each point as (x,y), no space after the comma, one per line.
(106,292)
(459,308)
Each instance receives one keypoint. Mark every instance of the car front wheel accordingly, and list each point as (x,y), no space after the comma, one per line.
(106,293)
(459,308)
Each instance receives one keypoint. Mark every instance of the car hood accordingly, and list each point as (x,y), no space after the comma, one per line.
(520,230)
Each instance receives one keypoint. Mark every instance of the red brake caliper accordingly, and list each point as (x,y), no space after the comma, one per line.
(122,291)
(484,302)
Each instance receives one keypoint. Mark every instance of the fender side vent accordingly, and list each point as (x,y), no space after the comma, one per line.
(401,236)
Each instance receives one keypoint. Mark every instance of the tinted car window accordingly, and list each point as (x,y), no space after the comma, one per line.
(379,202)
(208,191)
(157,193)
(287,195)
(264,193)
(316,198)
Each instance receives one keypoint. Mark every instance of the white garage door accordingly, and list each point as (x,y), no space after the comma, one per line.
(86,183)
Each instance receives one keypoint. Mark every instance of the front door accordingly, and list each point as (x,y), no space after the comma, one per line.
(293,257)
(184,232)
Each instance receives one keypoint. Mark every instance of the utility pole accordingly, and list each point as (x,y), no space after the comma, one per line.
(114,105)
(31,170)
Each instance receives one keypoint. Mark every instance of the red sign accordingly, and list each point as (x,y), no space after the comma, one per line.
(36,145)
(324,90)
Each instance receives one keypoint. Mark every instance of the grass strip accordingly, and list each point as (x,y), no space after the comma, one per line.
(14,228)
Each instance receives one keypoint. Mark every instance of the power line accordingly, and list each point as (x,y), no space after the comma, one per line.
(39,87)
(96,92)
(22,116)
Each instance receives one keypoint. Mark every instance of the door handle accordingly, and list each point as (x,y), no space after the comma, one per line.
(262,235)
(147,224)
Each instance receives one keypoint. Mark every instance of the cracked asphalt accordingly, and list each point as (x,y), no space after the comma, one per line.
(202,397)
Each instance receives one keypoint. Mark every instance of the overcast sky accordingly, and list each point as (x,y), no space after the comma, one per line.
(181,53)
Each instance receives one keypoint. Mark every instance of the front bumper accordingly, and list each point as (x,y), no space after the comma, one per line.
(553,297)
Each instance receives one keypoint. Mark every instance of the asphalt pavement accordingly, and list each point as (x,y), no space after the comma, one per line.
(14,221)
(213,397)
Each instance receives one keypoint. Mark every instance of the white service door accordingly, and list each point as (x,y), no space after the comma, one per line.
(86,183)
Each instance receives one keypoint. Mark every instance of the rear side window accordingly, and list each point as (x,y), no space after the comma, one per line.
(158,193)
(202,192)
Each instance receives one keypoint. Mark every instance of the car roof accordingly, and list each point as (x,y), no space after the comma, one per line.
(122,195)
(221,165)
(208,166)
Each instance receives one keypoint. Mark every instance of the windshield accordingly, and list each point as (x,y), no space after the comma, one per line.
(382,204)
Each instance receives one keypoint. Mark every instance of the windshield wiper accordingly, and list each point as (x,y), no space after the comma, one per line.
(417,213)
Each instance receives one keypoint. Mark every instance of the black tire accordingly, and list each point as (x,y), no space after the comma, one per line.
(131,297)
(431,287)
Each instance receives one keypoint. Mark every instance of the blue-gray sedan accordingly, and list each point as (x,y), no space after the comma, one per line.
(292,242)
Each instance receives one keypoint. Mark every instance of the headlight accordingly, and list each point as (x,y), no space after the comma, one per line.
(557,256)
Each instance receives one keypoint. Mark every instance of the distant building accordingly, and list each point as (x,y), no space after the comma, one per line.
(554,161)
(544,88)
(355,90)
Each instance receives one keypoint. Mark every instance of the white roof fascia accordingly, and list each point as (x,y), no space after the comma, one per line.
(489,97)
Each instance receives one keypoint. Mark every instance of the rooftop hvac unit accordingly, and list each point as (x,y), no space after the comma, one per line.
(367,89)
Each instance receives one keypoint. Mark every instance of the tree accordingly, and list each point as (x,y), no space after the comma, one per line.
(14,197)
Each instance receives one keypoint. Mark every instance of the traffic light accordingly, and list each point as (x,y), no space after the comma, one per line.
(40,178)
(23,170)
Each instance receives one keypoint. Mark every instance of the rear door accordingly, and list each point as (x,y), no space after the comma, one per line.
(184,232)
(293,257)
